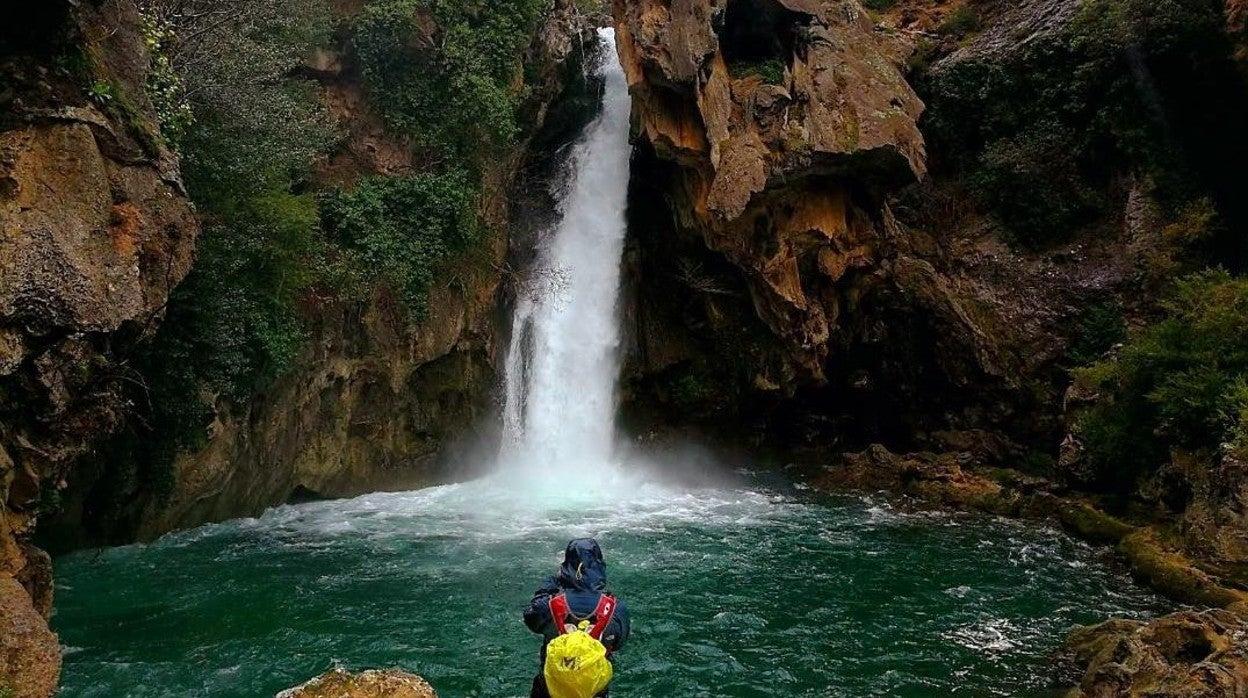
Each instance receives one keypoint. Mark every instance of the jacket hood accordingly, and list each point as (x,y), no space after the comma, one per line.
(583,568)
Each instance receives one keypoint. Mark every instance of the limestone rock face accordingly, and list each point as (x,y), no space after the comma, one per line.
(371,405)
(770,109)
(30,656)
(95,231)
(369,684)
(1184,655)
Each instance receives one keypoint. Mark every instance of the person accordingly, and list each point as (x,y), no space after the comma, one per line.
(578,592)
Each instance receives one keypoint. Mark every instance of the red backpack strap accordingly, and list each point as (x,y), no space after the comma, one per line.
(603,613)
(559,612)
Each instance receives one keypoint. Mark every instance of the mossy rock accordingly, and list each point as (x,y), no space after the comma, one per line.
(1092,524)
(1174,575)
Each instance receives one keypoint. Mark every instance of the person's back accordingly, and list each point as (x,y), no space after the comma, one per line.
(576,594)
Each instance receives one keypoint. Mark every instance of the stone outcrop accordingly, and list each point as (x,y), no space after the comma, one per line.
(1185,655)
(775,113)
(368,684)
(372,404)
(97,231)
(792,271)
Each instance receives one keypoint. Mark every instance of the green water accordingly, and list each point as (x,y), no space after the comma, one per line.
(734,592)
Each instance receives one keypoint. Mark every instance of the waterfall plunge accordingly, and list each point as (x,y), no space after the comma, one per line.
(563,360)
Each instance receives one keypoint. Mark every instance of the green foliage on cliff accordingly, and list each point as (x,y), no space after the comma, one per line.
(400,229)
(447,71)
(233,99)
(771,70)
(1179,383)
(1045,131)
(247,131)
(1097,330)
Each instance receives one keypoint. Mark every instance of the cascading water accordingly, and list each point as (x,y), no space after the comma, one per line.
(563,360)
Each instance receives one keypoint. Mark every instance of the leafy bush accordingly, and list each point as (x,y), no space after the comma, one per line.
(1180,383)
(962,22)
(1046,131)
(398,229)
(453,91)
(771,70)
(1032,181)
(1097,330)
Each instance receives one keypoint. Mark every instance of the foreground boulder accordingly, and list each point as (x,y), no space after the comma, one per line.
(1189,654)
(389,683)
(30,656)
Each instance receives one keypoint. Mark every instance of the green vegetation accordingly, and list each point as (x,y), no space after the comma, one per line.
(1125,86)
(771,70)
(962,22)
(452,89)
(226,84)
(1097,330)
(879,5)
(102,93)
(1181,383)
(402,228)
(165,86)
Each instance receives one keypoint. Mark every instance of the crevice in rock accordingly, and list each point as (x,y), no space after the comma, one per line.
(758,31)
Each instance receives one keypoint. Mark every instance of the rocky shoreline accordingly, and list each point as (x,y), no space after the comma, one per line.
(1200,652)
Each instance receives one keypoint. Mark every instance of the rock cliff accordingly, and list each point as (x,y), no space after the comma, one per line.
(821,258)
(97,232)
(776,135)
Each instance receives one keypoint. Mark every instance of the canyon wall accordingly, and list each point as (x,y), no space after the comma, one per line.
(822,257)
(97,232)
(780,281)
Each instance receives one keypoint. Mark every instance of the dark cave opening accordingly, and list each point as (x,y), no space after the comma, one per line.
(37,29)
(759,32)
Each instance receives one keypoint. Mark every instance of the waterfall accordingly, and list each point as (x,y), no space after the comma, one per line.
(563,360)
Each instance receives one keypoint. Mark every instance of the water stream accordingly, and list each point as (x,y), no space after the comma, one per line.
(741,587)
(563,360)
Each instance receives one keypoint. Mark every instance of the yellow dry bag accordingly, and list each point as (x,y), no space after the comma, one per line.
(576,665)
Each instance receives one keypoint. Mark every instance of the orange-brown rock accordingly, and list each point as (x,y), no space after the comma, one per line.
(769,108)
(368,684)
(30,656)
(1184,655)
(95,231)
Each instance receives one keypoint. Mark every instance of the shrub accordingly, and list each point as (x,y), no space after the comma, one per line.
(1047,129)
(399,229)
(771,70)
(1096,331)
(454,91)
(1179,383)
(1033,183)
(962,22)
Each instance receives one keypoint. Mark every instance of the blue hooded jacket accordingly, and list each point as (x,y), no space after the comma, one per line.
(583,578)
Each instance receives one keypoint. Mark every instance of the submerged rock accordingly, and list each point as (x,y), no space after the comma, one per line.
(389,683)
(1189,654)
